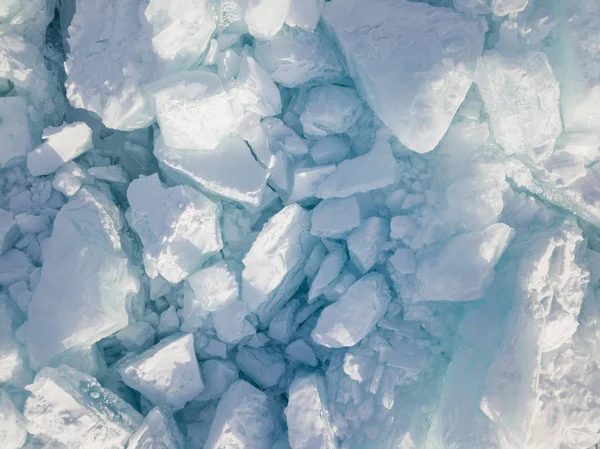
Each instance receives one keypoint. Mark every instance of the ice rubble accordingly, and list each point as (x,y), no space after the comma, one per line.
(299,224)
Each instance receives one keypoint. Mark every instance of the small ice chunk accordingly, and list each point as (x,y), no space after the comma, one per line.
(218,376)
(371,171)
(306,182)
(350,319)
(12,425)
(295,57)
(159,430)
(329,150)
(14,370)
(365,242)
(335,218)
(231,324)
(521,97)
(110,173)
(137,336)
(214,286)
(193,110)
(16,132)
(265,366)
(305,14)
(403,227)
(412,63)
(403,261)
(274,266)
(472,7)
(281,138)
(15,266)
(243,419)
(178,226)
(461,268)
(167,374)
(310,425)
(33,224)
(72,306)
(301,352)
(330,110)
(330,269)
(181,30)
(506,7)
(266,17)
(230,171)
(168,323)
(69,178)
(283,326)
(72,408)
(62,144)
(9,231)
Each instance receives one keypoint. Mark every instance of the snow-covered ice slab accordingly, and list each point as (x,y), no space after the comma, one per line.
(214,286)
(230,171)
(159,430)
(72,306)
(274,266)
(412,63)
(72,408)
(308,420)
(244,419)
(178,226)
(62,144)
(461,268)
(28,19)
(13,434)
(266,17)
(350,319)
(168,374)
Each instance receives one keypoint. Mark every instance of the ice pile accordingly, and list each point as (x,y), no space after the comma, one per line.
(299,224)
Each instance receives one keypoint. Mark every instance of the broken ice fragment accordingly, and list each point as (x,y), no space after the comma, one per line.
(350,319)
(72,306)
(9,231)
(137,336)
(159,430)
(329,150)
(521,97)
(243,420)
(308,419)
(265,366)
(301,352)
(365,242)
(266,17)
(411,62)
(62,144)
(72,408)
(12,425)
(329,270)
(214,286)
(230,322)
(274,266)
(16,132)
(218,376)
(335,218)
(439,276)
(167,374)
(230,171)
(178,226)
(193,110)
(505,7)
(304,14)
(307,181)
(69,178)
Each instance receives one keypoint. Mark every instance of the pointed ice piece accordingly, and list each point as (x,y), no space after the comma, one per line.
(181,30)
(103,75)
(418,67)
(307,181)
(72,408)
(282,138)
(309,423)
(231,324)
(137,336)
(243,420)
(365,242)
(330,269)
(295,57)
(159,430)
(329,150)
(439,276)
(521,96)
(62,144)
(218,376)
(350,319)
(371,171)
(264,366)
(12,425)
(178,226)
(305,14)
(274,266)
(301,352)
(214,286)
(330,110)
(266,17)
(9,231)
(16,132)
(196,97)
(335,218)
(230,171)
(167,374)
(72,306)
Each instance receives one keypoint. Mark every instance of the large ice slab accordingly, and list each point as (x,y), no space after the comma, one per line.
(243,420)
(308,419)
(521,97)
(72,408)
(350,319)
(178,226)
(412,63)
(274,266)
(72,306)
(230,171)
(168,373)
(159,430)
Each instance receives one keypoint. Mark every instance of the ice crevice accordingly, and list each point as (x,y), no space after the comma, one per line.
(299,224)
